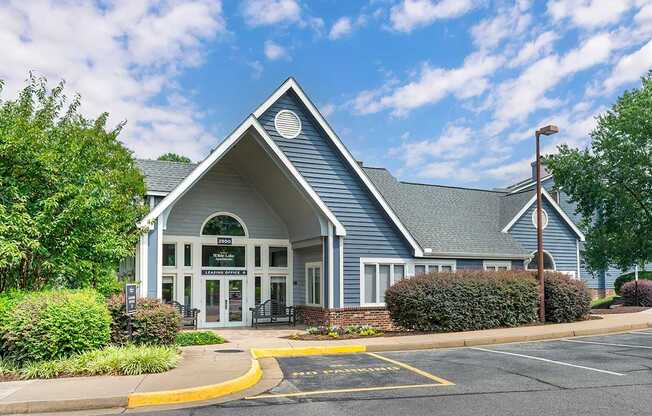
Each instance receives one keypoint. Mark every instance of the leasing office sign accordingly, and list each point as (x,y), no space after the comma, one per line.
(225,272)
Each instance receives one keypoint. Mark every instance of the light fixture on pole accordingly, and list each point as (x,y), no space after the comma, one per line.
(546,131)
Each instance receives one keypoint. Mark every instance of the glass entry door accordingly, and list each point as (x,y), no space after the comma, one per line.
(223,301)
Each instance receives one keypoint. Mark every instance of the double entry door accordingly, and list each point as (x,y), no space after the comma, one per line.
(223,301)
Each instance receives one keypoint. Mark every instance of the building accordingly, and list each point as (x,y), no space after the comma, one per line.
(281,210)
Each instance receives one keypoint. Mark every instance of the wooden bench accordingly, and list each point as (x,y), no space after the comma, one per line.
(271,312)
(188,315)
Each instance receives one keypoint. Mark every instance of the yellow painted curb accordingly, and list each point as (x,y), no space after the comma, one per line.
(212,391)
(300,351)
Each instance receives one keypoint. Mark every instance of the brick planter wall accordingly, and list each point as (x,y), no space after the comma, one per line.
(377,317)
(601,293)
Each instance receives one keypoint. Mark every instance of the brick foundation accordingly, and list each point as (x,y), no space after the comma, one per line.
(601,293)
(377,317)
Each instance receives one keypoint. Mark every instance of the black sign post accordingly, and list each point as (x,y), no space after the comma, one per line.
(130,304)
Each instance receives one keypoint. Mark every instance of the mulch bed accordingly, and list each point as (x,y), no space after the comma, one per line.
(620,309)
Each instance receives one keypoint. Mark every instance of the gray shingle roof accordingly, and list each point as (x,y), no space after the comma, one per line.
(512,204)
(448,219)
(163,176)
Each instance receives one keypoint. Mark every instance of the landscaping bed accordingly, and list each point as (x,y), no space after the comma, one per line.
(618,310)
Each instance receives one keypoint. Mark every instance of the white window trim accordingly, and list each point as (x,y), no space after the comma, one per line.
(494,263)
(552,258)
(438,263)
(544,215)
(378,262)
(313,265)
(227,214)
(176,256)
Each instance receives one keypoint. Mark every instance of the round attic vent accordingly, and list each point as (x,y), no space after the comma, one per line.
(287,124)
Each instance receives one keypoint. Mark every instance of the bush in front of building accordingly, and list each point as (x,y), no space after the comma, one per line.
(153,323)
(55,324)
(463,301)
(567,299)
(186,338)
(629,277)
(629,289)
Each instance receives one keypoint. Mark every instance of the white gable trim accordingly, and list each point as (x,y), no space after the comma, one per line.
(557,208)
(221,150)
(291,84)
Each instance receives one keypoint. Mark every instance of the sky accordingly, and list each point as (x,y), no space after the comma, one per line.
(437,91)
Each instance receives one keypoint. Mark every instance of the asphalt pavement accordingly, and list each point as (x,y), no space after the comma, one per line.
(599,375)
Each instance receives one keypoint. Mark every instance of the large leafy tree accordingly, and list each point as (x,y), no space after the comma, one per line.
(173,157)
(70,193)
(611,182)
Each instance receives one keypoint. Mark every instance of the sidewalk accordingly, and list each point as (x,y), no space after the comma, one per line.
(205,374)
(200,367)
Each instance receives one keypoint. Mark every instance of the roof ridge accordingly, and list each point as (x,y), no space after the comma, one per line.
(453,187)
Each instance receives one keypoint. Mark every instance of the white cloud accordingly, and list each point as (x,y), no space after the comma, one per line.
(327,109)
(452,144)
(122,58)
(533,50)
(271,12)
(508,23)
(630,68)
(274,51)
(589,13)
(432,85)
(257,68)
(518,98)
(341,28)
(411,14)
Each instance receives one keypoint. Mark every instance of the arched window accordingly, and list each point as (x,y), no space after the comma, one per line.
(223,224)
(548,262)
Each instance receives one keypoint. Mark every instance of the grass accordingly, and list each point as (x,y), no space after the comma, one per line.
(603,303)
(187,338)
(128,360)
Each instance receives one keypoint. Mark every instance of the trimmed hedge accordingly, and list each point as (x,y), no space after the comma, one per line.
(153,323)
(629,277)
(567,299)
(55,324)
(187,338)
(464,301)
(644,293)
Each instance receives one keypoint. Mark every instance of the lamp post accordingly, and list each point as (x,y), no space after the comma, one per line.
(546,131)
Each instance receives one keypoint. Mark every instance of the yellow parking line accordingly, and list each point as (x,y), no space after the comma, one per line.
(433,377)
(362,389)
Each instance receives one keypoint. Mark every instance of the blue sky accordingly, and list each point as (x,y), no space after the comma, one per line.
(439,91)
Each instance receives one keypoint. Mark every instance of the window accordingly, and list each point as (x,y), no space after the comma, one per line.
(278,257)
(169,254)
(495,266)
(441,266)
(223,225)
(377,278)
(187,290)
(277,289)
(167,293)
(548,262)
(187,255)
(313,283)
(223,256)
(258,289)
(544,216)
(257,261)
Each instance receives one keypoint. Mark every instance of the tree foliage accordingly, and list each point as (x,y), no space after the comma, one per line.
(173,157)
(70,193)
(611,182)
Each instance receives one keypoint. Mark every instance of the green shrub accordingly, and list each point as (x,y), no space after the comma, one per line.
(55,324)
(8,300)
(335,331)
(198,338)
(153,323)
(629,291)
(128,360)
(629,277)
(463,301)
(567,299)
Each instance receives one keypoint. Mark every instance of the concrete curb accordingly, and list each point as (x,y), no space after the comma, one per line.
(47,406)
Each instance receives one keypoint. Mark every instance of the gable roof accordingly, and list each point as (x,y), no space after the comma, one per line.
(162,176)
(450,221)
(250,124)
(291,84)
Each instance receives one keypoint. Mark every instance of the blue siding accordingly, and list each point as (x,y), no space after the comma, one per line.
(558,238)
(152,261)
(336,267)
(369,232)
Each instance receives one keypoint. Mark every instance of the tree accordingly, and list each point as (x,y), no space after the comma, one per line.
(70,193)
(611,183)
(173,157)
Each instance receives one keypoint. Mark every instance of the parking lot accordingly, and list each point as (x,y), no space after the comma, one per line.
(592,375)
